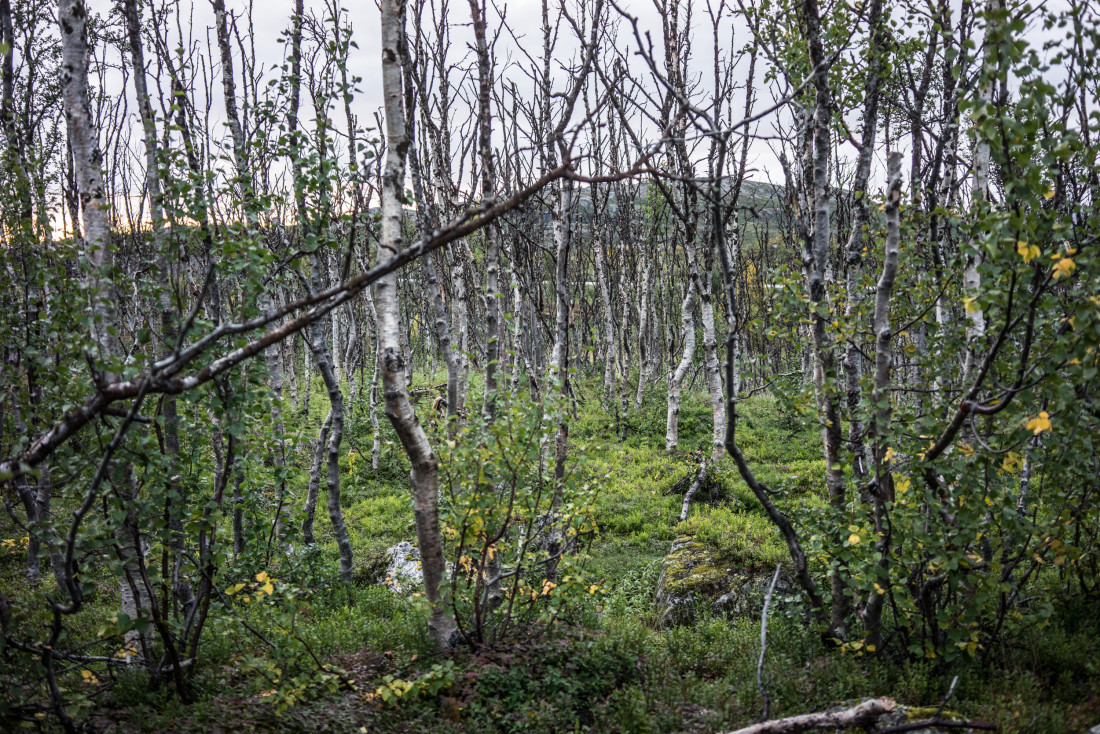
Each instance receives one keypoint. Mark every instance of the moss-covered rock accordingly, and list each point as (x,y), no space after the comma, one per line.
(697,576)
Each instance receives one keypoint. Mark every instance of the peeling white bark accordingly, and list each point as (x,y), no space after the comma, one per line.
(391,360)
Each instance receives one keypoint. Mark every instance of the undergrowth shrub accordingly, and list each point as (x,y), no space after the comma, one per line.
(511,525)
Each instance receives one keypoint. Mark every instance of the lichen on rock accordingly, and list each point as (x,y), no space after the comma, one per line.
(696,576)
(403,571)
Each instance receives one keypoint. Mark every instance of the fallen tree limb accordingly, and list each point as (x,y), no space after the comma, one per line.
(863,714)
(938,723)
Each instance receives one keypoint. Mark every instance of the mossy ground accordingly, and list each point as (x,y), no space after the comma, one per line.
(611,667)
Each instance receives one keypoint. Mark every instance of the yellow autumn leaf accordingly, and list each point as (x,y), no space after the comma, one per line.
(1049,194)
(1064,268)
(971,307)
(1027,252)
(262,576)
(1039,424)
(853,539)
(268,588)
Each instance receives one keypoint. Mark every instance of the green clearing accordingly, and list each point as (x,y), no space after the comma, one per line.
(608,667)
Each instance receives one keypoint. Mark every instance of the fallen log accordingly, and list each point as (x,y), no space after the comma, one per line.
(862,714)
(936,723)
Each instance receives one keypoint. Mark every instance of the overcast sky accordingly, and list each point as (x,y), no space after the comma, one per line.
(271,18)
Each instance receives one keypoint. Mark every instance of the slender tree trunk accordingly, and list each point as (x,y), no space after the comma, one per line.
(229,90)
(853,251)
(972,279)
(816,260)
(488,186)
(135,600)
(315,480)
(399,410)
(607,317)
(87,160)
(676,380)
(335,420)
(461,319)
(645,338)
(880,399)
(711,367)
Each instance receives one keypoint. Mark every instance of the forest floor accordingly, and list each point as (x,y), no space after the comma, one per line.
(610,667)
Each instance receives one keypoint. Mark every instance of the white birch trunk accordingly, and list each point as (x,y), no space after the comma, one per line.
(87,159)
(712,368)
(645,338)
(972,279)
(399,410)
(880,398)
(610,343)
(676,380)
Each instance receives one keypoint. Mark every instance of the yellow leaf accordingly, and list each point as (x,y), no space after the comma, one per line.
(1039,424)
(262,576)
(871,648)
(1049,194)
(889,453)
(268,588)
(1064,268)
(234,589)
(1027,252)
(853,539)
(971,307)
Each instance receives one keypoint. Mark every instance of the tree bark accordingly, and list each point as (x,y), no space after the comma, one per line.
(87,160)
(861,715)
(645,338)
(676,380)
(399,410)
(853,251)
(880,400)
(816,262)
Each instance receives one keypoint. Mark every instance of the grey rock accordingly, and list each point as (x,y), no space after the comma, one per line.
(403,572)
(695,576)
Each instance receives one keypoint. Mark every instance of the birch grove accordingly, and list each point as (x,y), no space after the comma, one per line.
(524,235)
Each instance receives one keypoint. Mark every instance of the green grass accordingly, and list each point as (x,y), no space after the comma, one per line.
(610,668)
